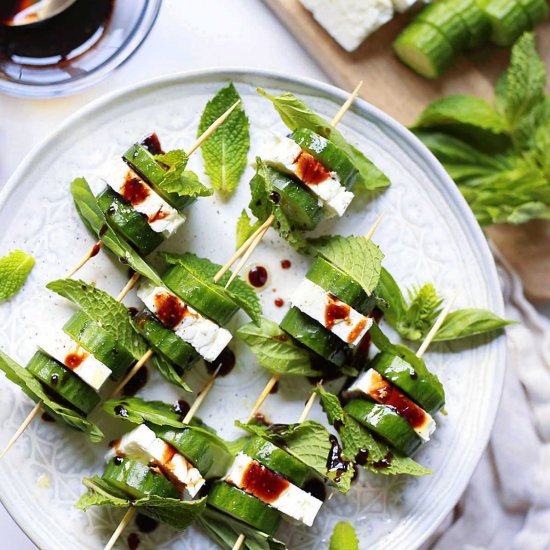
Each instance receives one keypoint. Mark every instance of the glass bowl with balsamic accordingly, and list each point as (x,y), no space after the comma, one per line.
(72,50)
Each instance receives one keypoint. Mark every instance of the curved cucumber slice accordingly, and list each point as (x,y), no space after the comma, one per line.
(96,340)
(446,19)
(278,460)
(244,507)
(507,18)
(164,340)
(386,423)
(403,375)
(536,10)
(208,298)
(330,156)
(210,459)
(137,480)
(475,20)
(128,222)
(316,337)
(424,49)
(335,281)
(144,163)
(63,382)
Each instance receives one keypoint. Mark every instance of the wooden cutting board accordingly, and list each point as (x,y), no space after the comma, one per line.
(394,88)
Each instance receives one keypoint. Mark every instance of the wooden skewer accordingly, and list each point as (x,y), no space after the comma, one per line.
(344,108)
(129,285)
(134,370)
(36,410)
(307,408)
(239,542)
(128,516)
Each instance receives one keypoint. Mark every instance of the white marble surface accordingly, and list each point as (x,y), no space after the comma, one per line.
(188,35)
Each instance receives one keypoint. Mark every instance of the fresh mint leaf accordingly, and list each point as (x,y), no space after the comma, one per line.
(103,309)
(465,323)
(309,442)
(296,114)
(169,371)
(34,389)
(14,270)
(422,312)
(172,158)
(183,183)
(276,351)
(344,537)
(245,228)
(93,218)
(225,151)
(359,257)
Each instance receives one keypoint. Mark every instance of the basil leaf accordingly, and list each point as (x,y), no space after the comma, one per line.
(93,218)
(344,537)
(34,389)
(296,114)
(14,270)
(393,301)
(245,228)
(469,322)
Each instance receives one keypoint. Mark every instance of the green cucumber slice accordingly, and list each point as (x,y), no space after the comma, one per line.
(208,298)
(424,49)
(411,382)
(536,10)
(165,341)
(144,163)
(507,18)
(316,337)
(474,19)
(63,382)
(210,459)
(446,19)
(129,222)
(386,423)
(244,507)
(92,337)
(330,156)
(334,280)
(278,460)
(137,480)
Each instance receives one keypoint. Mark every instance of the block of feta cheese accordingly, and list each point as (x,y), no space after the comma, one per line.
(250,476)
(161,217)
(341,319)
(69,353)
(374,386)
(143,445)
(208,338)
(350,22)
(285,154)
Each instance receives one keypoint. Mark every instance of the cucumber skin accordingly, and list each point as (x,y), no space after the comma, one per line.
(508,20)
(68,386)
(278,460)
(97,341)
(128,222)
(207,298)
(334,280)
(386,423)
(244,507)
(536,10)
(426,40)
(330,156)
(475,20)
(316,337)
(137,480)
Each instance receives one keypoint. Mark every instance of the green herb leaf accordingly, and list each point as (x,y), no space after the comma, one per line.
(93,218)
(275,350)
(381,459)
(359,257)
(240,292)
(422,312)
(177,513)
(309,442)
(469,322)
(393,301)
(245,228)
(14,270)
(344,537)
(171,158)
(226,150)
(34,389)
(103,309)
(184,183)
(296,114)
(169,371)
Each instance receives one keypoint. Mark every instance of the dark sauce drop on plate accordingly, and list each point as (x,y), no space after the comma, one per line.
(146,524)
(279,302)
(257,276)
(225,362)
(137,382)
(286,264)
(133,541)
(57,40)
(47,418)
(316,488)
(181,407)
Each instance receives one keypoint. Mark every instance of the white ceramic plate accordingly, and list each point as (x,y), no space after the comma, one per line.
(428,234)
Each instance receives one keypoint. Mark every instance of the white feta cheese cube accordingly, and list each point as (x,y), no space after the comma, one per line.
(349,325)
(291,501)
(69,353)
(208,338)
(350,22)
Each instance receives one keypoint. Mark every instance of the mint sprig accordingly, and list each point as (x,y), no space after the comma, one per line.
(14,270)
(177,179)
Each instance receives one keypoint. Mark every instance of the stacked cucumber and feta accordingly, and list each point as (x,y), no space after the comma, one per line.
(446,28)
